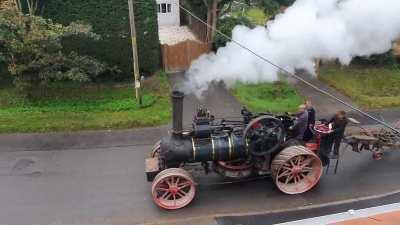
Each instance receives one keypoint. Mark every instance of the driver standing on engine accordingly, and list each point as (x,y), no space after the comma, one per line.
(301,123)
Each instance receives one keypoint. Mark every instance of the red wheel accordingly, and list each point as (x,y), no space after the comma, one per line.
(173,188)
(296,170)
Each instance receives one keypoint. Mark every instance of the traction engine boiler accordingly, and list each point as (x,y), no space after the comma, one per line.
(254,145)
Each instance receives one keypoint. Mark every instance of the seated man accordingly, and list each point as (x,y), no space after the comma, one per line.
(301,123)
(309,134)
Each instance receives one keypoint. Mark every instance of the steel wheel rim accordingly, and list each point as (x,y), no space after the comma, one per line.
(173,191)
(299,174)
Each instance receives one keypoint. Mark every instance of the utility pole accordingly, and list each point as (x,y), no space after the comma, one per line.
(135,52)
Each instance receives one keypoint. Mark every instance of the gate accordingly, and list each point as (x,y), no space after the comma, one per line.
(178,57)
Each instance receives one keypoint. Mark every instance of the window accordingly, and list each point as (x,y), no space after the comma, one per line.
(163,8)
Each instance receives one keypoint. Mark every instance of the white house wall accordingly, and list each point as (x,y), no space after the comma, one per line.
(168,17)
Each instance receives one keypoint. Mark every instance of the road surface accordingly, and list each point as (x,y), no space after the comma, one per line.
(86,178)
(107,186)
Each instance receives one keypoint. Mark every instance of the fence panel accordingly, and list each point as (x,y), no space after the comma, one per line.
(179,57)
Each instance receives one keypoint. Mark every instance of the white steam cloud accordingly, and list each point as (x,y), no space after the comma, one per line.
(309,29)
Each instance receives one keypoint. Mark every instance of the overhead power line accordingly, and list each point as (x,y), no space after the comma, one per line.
(293,74)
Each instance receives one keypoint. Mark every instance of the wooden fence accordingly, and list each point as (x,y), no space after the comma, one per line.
(179,57)
(198,28)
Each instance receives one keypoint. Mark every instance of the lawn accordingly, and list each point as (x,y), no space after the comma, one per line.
(86,107)
(275,97)
(366,86)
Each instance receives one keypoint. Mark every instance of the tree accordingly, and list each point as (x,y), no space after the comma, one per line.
(31,47)
(212,10)
(273,6)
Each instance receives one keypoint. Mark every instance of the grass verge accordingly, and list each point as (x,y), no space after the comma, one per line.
(275,97)
(86,107)
(368,87)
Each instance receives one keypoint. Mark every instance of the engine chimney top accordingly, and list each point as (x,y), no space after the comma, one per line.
(177,112)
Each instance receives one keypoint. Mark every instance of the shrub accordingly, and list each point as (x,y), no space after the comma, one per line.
(31,47)
(110,19)
(385,59)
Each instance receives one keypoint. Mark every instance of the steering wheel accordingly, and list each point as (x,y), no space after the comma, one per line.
(264,135)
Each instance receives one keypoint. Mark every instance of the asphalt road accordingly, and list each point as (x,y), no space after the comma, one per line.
(72,179)
(107,186)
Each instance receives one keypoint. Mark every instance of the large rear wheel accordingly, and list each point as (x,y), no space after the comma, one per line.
(173,188)
(296,170)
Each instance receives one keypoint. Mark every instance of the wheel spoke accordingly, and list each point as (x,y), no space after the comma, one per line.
(165,195)
(183,185)
(307,161)
(177,181)
(161,189)
(169,181)
(283,174)
(306,169)
(181,193)
(288,178)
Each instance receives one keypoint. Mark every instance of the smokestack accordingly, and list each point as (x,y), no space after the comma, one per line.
(177,112)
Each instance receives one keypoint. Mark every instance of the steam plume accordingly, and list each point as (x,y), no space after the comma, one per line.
(309,29)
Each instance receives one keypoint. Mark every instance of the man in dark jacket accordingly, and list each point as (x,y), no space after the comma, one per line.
(301,123)
(338,124)
(308,135)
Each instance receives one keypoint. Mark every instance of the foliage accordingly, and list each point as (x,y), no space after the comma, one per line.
(211,11)
(272,97)
(110,19)
(374,87)
(31,46)
(271,7)
(226,26)
(384,59)
(70,107)
(256,16)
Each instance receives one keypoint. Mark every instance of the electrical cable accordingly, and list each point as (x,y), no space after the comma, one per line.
(293,74)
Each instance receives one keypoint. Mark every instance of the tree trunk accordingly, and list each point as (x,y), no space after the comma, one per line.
(214,11)
(209,30)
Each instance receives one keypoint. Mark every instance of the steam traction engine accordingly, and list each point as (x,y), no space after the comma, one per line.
(255,145)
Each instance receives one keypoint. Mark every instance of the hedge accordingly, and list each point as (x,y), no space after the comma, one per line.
(110,19)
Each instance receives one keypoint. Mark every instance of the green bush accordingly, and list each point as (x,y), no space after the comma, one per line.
(377,60)
(110,19)
(31,47)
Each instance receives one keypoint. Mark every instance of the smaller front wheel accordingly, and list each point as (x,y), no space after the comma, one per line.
(173,188)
